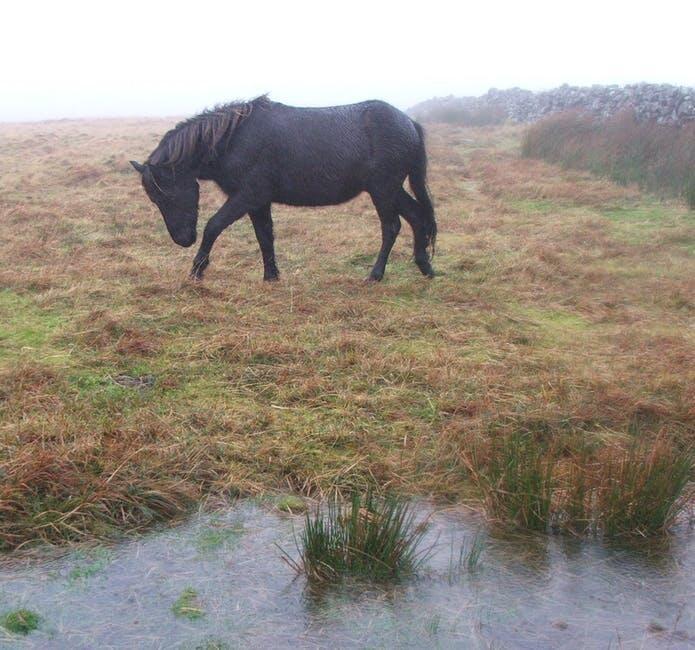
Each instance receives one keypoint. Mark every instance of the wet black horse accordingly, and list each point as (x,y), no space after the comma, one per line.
(262,152)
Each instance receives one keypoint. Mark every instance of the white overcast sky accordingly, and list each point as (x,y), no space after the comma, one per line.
(84,59)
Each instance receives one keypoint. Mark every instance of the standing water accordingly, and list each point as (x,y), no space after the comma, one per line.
(218,581)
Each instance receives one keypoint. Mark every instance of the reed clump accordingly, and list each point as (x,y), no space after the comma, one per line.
(366,537)
(516,479)
(614,492)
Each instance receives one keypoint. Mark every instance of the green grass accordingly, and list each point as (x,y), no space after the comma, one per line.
(657,157)
(188,606)
(21,621)
(218,535)
(539,206)
(367,537)
(23,325)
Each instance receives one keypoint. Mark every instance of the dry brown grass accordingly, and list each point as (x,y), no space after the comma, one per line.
(565,310)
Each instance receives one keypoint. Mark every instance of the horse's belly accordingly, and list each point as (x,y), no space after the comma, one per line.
(314,201)
(317,191)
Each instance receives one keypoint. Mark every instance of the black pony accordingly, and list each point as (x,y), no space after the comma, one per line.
(262,152)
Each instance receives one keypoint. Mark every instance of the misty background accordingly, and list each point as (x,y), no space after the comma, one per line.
(87,59)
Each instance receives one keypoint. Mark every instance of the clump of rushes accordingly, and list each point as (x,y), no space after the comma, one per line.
(613,493)
(188,606)
(516,479)
(366,537)
(21,621)
(638,493)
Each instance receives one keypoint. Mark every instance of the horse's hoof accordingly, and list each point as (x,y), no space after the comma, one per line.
(271,278)
(426,269)
(373,278)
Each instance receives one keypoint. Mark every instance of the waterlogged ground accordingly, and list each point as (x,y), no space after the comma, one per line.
(525,592)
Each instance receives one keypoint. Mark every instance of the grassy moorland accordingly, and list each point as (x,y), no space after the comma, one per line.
(127,393)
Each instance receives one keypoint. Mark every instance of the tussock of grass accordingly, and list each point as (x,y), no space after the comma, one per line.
(21,621)
(368,537)
(517,481)
(641,491)
(613,492)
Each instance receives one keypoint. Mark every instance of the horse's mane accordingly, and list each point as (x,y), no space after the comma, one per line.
(201,134)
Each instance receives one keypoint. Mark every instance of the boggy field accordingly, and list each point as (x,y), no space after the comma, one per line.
(564,309)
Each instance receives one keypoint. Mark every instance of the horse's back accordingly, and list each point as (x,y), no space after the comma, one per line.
(363,119)
(328,155)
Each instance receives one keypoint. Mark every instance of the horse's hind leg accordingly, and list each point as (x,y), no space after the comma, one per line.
(390,226)
(409,209)
(263,225)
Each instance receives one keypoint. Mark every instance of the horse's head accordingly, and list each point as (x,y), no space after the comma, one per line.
(176,194)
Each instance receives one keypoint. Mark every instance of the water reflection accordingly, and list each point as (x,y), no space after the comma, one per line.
(528,591)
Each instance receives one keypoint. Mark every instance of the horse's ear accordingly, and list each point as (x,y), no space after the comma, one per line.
(138,167)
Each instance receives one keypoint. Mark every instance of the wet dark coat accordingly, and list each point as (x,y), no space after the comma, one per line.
(262,152)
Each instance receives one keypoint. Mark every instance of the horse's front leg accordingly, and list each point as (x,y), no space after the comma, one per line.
(233,209)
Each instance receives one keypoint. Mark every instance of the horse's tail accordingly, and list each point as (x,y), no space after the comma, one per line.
(418,184)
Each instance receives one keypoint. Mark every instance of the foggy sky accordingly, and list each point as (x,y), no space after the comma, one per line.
(91,59)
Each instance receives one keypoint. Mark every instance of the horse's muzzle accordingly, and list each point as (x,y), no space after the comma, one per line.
(186,240)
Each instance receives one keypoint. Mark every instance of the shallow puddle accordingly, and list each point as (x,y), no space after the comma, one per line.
(231,588)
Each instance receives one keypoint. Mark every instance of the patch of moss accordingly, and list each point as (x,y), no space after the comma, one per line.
(537,206)
(93,564)
(23,324)
(218,535)
(21,621)
(641,223)
(554,326)
(291,503)
(187,605)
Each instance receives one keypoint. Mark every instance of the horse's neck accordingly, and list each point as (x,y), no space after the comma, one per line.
(208,170)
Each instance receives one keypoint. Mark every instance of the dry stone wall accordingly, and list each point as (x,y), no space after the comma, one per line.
(662,103)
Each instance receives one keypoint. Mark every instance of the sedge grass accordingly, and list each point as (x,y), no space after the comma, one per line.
(640,491)
(367,537)
(517,481)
